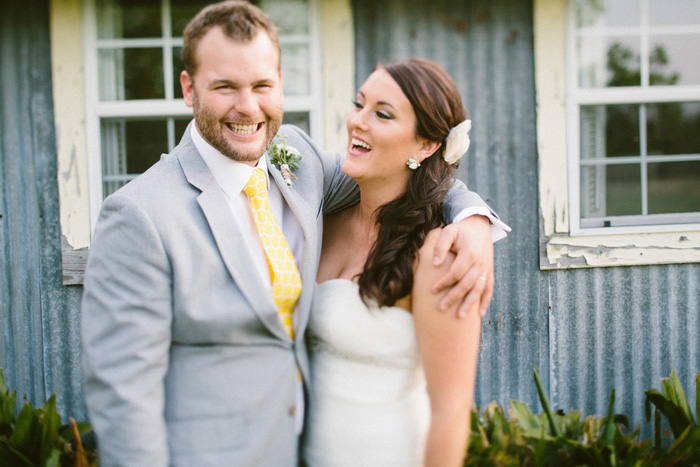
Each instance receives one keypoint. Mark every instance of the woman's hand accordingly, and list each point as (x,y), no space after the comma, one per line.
(470,278)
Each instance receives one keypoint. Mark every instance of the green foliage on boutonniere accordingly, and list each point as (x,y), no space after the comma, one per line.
(286,157)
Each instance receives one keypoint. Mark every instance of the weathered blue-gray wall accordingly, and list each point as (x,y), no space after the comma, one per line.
(588,331)
(39,343)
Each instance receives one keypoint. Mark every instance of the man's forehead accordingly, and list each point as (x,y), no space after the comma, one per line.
(215,44)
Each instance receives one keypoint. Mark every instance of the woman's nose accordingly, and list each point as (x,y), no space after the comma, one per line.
(357,119)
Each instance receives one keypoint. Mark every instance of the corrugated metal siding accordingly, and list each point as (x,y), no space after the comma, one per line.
(623,328)
(39,343)
(587,330)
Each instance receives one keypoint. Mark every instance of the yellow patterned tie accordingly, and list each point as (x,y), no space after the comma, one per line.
(286,281)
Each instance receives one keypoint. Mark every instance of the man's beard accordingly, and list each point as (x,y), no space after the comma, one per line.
(212,130)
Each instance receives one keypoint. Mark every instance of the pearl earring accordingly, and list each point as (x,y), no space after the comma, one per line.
(412,163)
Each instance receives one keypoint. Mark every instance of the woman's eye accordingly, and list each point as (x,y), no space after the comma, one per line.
(357,104)
(384,115)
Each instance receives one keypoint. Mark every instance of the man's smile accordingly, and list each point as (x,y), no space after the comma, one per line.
(244,130)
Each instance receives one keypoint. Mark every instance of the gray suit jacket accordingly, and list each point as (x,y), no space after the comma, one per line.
(186,361)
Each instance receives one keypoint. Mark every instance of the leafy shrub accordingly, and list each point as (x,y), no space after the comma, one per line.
(35,436)
(555,438)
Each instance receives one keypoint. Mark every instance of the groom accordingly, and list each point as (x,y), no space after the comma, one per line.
(187,359)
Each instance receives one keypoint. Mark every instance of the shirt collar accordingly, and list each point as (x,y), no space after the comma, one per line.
(229,174)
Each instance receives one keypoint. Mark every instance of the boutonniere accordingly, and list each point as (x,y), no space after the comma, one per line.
(286,157)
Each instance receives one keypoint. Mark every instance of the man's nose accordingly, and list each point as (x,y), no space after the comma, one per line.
(246,103)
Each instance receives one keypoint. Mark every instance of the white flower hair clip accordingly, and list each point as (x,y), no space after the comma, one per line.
(457,142)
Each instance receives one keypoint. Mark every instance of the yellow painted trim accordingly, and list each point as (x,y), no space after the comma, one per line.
(559,249)
(550,81)
(69,116)
(338,73)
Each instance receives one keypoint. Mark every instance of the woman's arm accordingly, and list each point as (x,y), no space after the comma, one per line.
(449,348)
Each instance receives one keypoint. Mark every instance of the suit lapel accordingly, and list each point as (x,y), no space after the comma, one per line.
(229,239)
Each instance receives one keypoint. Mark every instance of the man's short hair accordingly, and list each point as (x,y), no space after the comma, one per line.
(238,19)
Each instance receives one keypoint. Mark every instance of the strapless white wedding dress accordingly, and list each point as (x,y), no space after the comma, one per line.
(368,402)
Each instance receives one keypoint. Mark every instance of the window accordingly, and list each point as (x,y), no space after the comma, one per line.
(135,108)
(112,123)
(634,111)
(618,113)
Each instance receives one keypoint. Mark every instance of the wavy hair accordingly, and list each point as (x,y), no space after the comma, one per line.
(404,222)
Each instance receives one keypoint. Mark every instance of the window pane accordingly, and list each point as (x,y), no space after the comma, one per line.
(609,61)
(300,119)
(128,19)
(674,60)
(609,131)
(624,190)
(296,69)
(182,12)
(290,16)
(129,147)
(593,191)
(673,128)
(607,12)
(613,190)
(180,127)
(131,74)
(178,66)
(676,12)
(674,187)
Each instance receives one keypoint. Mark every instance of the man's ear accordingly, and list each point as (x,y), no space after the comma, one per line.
(187,85)
(428,148)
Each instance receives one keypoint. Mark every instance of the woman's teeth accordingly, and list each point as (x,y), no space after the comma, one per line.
(360,143)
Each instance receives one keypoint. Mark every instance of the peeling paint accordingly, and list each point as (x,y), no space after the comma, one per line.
(71,141)
(565,251)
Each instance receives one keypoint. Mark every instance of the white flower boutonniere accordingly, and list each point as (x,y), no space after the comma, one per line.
(286,157)
(457,142)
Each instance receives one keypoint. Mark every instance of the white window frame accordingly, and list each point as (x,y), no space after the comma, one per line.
(169,107)
(634,95)
(563,243)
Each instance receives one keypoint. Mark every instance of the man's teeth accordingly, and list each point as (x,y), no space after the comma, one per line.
(243,129)
(358,142)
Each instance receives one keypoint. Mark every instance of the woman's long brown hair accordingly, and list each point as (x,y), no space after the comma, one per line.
(404,222)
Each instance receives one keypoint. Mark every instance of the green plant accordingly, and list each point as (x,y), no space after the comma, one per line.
(556,438)
(673,404)
(35,436)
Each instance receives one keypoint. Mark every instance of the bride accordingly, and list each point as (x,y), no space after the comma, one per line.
(392,378)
